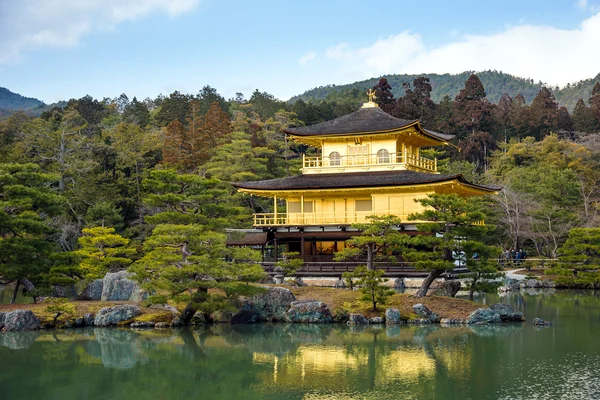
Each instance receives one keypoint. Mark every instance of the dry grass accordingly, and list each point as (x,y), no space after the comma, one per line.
(338,299)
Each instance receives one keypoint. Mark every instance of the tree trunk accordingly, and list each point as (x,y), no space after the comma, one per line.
(370,266)
(187,313)
(433,274)
(13,299)
(29,287)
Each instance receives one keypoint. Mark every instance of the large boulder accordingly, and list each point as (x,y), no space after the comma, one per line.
(21,320)
(392,316)
(114,315)
(376,320)
(93,291)
(507,313)
(425,313)
(484,316)
(272,305)
(533,283)
(447,289)
(117,286)
(357,319)
(313,311)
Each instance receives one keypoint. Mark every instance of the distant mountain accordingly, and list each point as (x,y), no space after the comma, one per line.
(14,101)
(495,84)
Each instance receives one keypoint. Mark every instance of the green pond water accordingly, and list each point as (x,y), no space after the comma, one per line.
(284,361)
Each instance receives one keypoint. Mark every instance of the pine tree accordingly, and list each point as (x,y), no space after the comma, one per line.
(26,205)
(449,218)
(186,255)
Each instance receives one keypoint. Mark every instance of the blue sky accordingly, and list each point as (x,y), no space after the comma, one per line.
(60,49)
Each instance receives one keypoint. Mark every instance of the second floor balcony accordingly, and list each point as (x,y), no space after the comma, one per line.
(335,163)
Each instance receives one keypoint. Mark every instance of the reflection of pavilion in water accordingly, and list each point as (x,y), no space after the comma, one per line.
(340,368)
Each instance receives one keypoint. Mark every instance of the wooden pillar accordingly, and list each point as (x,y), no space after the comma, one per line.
(275,248)
(302,246)
(275,210)
(302,210)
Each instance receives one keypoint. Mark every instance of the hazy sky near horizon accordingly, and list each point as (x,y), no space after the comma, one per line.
(61,49)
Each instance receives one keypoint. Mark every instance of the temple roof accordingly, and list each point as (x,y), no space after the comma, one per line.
(358,180)
(365,120)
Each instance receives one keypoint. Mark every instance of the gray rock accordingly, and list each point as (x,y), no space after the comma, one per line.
(161,325)
(548,283)
(540,322)
(357,319)
(21,320)
(507,312)
(309,311)
(392,316)
(452,321)
(141,324)
(113,315)
(419,321)
(376,320)
(533,283)
(484,316)
(88,319)
(93,291)
(272,305)
(118,287)
(2,316)
(447,289)
(59,291)
(425,313)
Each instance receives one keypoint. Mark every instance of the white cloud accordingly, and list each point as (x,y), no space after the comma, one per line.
(555,56)
(308,57)
(581,4)
(28,24)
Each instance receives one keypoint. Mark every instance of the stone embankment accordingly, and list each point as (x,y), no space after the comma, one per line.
(276,304)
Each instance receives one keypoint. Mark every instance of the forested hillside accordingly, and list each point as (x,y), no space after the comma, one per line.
(10,102)
(496,84)
(101,185)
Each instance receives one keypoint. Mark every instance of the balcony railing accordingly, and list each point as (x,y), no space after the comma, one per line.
(390,159)
(316,218)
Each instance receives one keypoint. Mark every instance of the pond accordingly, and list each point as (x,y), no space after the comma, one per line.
(283,361)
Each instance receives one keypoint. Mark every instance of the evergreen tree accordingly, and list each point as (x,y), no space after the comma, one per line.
(186,255)
(544,113)
(26,205)
(173,108)
(579,259)
(583,118)
(449,218)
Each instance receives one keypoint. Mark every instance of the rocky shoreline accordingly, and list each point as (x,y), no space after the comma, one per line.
(277,304)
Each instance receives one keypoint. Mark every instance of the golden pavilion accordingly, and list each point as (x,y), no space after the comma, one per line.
(369,164)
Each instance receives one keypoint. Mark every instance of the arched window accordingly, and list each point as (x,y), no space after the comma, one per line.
(383,156)
(334,158)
